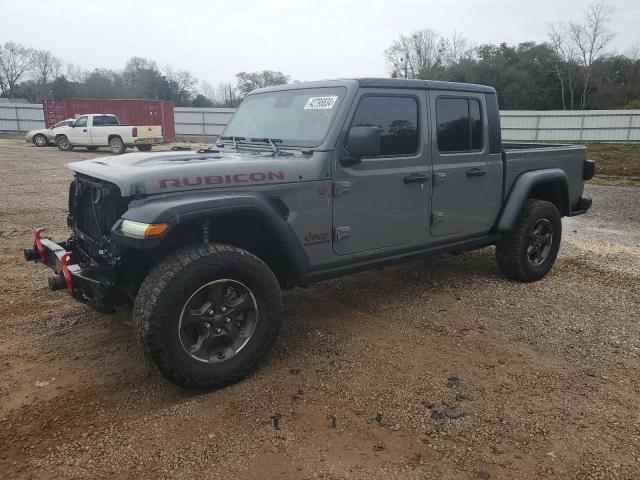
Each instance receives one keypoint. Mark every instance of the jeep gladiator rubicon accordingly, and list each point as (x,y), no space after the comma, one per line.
(308,181)
(94,131)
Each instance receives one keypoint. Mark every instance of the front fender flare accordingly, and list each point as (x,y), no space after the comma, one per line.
(177,209)
(520,191)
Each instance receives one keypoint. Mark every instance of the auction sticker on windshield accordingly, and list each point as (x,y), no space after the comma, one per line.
(321,103)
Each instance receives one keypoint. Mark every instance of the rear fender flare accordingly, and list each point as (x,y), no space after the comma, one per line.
(521,191)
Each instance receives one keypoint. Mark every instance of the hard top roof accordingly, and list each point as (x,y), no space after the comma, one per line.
(385,83)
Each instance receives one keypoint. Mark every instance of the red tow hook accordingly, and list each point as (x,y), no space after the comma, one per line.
(64,268)
(38,243)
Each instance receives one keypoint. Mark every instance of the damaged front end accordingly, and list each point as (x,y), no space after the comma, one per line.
(85,264)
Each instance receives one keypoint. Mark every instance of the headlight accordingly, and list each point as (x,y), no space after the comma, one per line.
(142,230)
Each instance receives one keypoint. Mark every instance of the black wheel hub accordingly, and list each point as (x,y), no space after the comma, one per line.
(540,241)
(218,320)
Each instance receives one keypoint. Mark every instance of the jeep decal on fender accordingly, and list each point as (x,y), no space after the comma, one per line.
(221,179)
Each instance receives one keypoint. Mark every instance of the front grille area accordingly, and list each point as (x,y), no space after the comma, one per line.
(94,206)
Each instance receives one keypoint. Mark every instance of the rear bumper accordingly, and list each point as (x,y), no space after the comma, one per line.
(87,285)
(581,207)
(149,141)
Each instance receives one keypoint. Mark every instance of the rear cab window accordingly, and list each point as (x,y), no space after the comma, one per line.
(102,120)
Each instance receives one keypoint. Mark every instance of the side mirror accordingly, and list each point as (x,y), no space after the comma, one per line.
(72,125)
(362,142)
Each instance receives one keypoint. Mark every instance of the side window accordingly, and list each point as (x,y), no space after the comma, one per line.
(108,120)
(80,122)
(459,124)
(98,121)
(398,119)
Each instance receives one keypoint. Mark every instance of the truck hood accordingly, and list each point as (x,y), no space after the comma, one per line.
(163,172)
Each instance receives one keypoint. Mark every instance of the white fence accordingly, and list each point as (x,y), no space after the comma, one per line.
(21,117)
(571,126)
(528,126)
(201,121)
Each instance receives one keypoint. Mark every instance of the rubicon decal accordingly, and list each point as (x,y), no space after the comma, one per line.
(236,178)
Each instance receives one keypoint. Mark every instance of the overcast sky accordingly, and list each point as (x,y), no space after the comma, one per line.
(308,40)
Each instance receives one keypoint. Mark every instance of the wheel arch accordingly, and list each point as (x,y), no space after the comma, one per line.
(547,184)
(251,222)
(112,136)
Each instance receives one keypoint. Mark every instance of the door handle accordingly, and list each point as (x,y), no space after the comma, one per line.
(476,172)
(84,130)
(416,178)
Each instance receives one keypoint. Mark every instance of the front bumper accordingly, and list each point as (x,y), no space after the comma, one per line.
(85,284)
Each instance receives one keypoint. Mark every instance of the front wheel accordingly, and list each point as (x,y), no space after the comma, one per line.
(117,146)
(64,144)
(206,315)
(528,252)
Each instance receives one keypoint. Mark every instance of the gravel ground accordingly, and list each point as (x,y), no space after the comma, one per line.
(438,368)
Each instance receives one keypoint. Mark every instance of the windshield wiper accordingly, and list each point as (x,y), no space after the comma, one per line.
(270,141)
(235,140)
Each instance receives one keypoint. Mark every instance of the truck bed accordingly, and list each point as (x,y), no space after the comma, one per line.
(519,158)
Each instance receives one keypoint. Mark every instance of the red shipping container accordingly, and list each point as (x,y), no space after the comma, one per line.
(129,112)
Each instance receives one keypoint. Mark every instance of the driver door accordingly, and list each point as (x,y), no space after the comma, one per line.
(382,201)
(79,134)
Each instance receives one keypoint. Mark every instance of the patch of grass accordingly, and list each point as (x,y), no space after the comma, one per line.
(615,181)
(615,159)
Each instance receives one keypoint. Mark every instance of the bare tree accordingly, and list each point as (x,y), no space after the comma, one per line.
(413,55)
(421,53)
(591,38)
(75,73)
(565,62)
(226,95)
(46,66)
(15,61)
(456,49)
(207,90)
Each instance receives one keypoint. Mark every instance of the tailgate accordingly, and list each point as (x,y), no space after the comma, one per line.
(149,131)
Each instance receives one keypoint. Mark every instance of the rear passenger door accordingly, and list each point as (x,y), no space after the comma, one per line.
(467,179)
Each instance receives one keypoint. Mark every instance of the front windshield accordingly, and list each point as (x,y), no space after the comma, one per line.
(64,123)
(297,117)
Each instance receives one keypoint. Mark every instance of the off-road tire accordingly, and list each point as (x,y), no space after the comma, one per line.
(92,149)
(511,250)
(144,148)
(63,143)
(162,296)
(40,140)
(117,146)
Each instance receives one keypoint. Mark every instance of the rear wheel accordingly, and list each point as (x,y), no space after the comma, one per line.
(63,143)
(144,148)
(207,315)
(40,140)
(117,146)
(528,252)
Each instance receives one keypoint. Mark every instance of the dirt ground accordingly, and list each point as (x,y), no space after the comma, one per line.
(545,375)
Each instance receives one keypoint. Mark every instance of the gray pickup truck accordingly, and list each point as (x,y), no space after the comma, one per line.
(309,181)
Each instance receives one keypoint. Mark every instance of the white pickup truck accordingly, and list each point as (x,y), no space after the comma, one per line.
(104,130)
